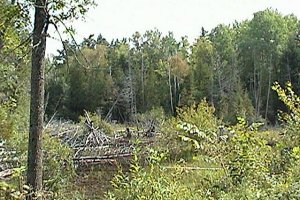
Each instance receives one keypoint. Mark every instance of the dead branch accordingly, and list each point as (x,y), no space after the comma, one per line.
(6,174)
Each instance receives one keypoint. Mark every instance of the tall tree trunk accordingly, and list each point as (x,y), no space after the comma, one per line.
(269,87)
(268,95)
(179,93)
(34,173)
(259,94)
(254,83)
(143,85)
(175,91)
(132,103)
(170,89)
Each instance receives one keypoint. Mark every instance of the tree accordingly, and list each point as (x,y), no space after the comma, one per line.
(202,68)
(170,48)
(122,72)
(34,173)
(228,88)
(179,68)
(46,13)
(261,47)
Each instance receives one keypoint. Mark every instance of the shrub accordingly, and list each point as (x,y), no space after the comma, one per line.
(57,165)
(14,188)
(148,182)
(291,120)
(246,154)
(194,126)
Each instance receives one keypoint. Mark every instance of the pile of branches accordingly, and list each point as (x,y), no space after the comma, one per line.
(8,160)
(76,135)
(90,142)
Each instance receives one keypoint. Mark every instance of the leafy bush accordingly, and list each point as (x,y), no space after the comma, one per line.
(57,165)
(248,166)
(246,154)
(201,115)
(196,126)
(291,120)
(14,188)
(150,182)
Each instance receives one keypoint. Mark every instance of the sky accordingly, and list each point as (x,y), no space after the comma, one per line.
(121,18)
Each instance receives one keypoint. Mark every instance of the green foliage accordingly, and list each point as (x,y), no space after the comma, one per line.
(246,153)
(291,119)
(250,167)
(148,182)
(201,115)
(14,44)
(58,168)
(199,125)
(232,66)
(82,83)
(14,188)
(154,117)
(69,10)
(202,66)
(196,125)
(6,125)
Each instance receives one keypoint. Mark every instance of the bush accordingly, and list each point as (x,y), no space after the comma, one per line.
(246,154)
(57,165)
(248,166)
(194,126)
(14,188)
(149,182)
(291,120)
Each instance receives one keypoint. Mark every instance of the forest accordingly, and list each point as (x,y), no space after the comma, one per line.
(233,67)
(150,116)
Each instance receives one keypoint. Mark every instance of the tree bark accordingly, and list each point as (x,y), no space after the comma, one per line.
(269,86)
(175,92)
(170,90)
(268,95)
(143,84)
(34,173)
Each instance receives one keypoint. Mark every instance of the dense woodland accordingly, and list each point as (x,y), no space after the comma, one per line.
(232,66)
(224,107)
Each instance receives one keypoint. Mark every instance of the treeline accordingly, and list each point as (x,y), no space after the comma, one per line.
(232,66)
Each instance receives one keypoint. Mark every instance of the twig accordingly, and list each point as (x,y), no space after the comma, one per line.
(67,29)
(64,46)
(51,119)
(195,168)
(6,174)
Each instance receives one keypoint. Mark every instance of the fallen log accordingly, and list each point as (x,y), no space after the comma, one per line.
(97,158)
